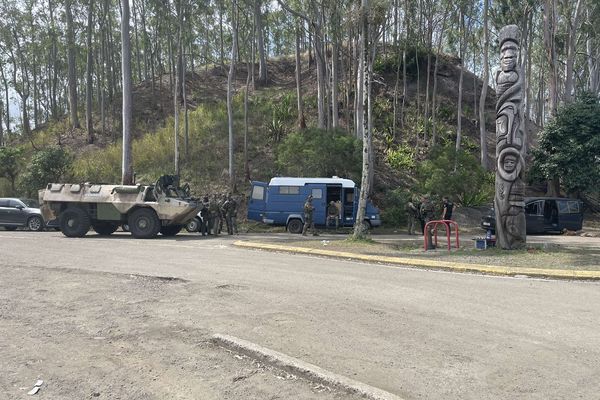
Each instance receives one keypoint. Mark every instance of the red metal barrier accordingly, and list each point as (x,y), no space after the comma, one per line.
(447,224)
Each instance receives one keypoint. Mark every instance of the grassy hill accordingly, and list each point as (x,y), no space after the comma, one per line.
(275,146)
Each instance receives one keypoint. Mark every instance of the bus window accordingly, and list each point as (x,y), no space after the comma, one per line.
(317,193)
(258,193)
(289,189)
(349,196)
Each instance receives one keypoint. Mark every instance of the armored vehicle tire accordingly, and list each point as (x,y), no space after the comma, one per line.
(74,222)
(295,226)
(193,225)
(144,223)
(104,228)
(171,230)
(35,223)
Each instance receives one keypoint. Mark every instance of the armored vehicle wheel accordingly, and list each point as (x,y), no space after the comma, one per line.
(193,225)
(104,228)
(74,222)
(171,230)
(144,223)
(35,223)
(295,226)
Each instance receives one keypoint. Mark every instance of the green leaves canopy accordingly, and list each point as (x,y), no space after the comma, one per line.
(569,146)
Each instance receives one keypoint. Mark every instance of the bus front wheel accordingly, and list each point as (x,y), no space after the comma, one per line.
(295,226)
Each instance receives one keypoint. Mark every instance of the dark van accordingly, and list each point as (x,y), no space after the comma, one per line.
(546,214)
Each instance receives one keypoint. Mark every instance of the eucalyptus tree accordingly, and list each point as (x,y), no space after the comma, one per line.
(127,161)
(72,75)
(230,79)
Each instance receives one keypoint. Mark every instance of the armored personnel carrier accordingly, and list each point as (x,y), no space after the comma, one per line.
(164,207)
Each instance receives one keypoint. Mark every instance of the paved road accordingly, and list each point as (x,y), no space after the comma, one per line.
(419,334)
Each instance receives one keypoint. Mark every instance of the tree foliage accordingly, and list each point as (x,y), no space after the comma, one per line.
(457,175)
(10,159)
(316,152)
(569,146)
(49,165)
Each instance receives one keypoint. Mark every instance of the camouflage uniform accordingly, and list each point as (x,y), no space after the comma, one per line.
(221,212)
(230,207)
(412,214)
(205,216)
(309,223)
(427,214)
(333,214)
(213,209)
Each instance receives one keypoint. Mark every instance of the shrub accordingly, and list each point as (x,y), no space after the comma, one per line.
(401,157)
(315,152)
(457,175)
(52,164)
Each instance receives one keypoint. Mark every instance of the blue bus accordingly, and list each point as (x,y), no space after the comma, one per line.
(281,202)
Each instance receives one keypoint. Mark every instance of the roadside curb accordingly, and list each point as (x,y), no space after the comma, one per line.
(430,264)
(301,368)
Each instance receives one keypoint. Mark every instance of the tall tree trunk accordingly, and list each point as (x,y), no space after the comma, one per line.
(573,29)
(363,85)
(435,79)
(553,188)
(176,88)
(321,70)
(262,59)
(335,84)
(301,121)
(89,71)
(127,164)
(550,47)
(138,58)
(484,89)
(72,75)
(460,82)
(404,70)
(246,163)
(7,102)
(1,126)
(428,86)
(230,78)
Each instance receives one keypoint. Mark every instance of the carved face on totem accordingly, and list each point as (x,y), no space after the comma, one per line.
(510,163)
(508,61)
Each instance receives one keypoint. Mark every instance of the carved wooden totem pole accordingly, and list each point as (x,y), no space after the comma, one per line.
(510,144)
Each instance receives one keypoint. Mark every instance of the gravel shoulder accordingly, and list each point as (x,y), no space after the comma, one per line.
(112,336)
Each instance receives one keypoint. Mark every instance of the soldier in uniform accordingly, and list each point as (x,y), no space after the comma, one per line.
(213,209)
(309,210)
(222,212)
(204,216)
(412,214)
(231,215)
(427,214)
(447,208)
(333,214)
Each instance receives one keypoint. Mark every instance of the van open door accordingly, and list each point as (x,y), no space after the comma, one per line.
(257,201)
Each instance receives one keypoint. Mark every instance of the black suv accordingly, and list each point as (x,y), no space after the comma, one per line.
(16,213)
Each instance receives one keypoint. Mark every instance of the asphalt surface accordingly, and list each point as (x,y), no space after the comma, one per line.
(418,334)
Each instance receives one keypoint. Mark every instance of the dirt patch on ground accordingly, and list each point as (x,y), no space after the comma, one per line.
(111,336)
